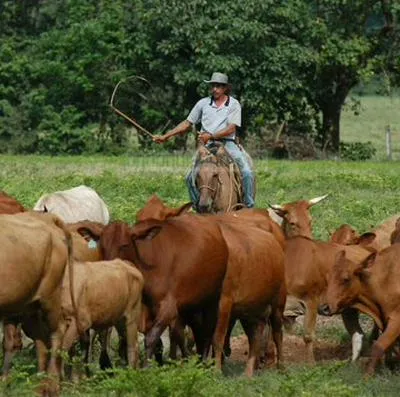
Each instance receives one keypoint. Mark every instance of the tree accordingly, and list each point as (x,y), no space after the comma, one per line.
(346,38)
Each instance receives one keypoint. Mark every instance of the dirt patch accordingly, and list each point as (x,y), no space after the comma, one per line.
(294,347)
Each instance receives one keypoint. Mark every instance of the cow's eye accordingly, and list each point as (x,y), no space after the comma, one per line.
(346,281)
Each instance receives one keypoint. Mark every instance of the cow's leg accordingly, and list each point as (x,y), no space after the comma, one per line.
(87,344)
(254,331)
(55,364)
(387,339)
(166,314)
(12,342)
(351,322)
(224,315)
(276,324)
(177,339)
(227,344)
(203,325)
(310,320)
(105,338)
(132,341)
(41,354)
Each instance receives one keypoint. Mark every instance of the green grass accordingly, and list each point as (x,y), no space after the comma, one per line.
(362,194)
(377,112)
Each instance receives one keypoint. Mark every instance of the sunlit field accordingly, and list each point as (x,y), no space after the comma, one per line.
(360,193)
(376,115)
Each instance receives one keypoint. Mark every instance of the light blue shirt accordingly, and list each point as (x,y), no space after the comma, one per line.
(213,118)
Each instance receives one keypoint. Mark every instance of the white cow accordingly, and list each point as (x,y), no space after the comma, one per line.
(74,205)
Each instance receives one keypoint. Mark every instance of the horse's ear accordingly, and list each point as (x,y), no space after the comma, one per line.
(203,151)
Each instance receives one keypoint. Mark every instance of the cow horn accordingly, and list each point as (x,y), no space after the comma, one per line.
(317,199)
(275,206)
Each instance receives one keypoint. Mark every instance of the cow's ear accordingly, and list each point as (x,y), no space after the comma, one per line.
(366,239)
(90,229)
(364,266)
(278,209)
(146,234)
(183,209)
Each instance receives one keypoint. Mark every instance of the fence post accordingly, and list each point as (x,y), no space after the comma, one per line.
(388,143)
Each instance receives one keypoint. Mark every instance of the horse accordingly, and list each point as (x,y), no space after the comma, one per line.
(218,180)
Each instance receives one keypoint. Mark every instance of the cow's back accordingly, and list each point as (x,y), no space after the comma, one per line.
(256,272)
(32,261)
(103,290)
(383,279)
(383,233)
(74,205)
(186,259)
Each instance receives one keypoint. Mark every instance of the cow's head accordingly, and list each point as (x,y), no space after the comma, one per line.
(89,230)
(115,241)
(344,283)
(156,209)
(296,217)
(9,205)
(395,236)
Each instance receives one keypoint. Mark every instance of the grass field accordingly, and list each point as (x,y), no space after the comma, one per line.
(376,114)
(362,194)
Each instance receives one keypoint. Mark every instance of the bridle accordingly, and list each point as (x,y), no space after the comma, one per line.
(211,159)
(213,189)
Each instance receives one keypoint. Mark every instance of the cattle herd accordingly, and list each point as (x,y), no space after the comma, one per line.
(67,270)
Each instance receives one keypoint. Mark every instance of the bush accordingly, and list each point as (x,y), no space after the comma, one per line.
(357,151)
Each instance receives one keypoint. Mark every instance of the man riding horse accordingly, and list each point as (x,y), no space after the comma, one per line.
(220,116)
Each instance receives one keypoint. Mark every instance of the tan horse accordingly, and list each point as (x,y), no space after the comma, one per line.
(218,180)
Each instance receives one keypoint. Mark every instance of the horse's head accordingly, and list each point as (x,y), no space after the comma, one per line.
(208,180)
(213,179)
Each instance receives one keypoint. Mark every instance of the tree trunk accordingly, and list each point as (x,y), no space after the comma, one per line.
(331,126)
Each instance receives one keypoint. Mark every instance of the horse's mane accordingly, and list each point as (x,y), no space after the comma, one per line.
(216,154)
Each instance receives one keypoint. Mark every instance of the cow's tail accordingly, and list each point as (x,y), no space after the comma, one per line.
(70,264)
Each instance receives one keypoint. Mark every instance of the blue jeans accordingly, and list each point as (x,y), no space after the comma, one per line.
(242,162)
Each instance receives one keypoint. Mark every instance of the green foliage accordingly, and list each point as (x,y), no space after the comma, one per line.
(357,151)
(294,61)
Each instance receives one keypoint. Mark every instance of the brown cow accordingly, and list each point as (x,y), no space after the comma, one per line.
(307,263)
(168,270)
(157,210)
(395,236)
(85,248)
(377,239)
(35,253)
(180,283)
(345,235)
(9,205)
(372,287)
(253,289)
(97,310)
